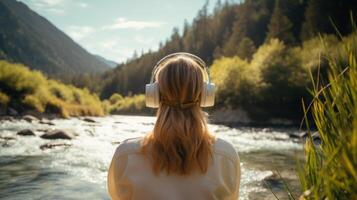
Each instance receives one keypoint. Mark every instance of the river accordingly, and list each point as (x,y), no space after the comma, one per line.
(79,171)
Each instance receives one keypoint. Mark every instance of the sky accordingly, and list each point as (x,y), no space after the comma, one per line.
(114,29)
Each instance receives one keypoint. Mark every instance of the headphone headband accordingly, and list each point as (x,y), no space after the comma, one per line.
(152,94)
(198,60)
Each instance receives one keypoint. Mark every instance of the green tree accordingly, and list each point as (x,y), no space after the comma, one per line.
(320,15)
(246,48)
(229,75)
(283,81)
(280,26)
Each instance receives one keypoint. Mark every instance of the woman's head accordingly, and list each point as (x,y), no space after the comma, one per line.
(180,81)
(180,142)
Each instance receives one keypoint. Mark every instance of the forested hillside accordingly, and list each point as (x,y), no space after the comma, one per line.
(277,42)
(28,38)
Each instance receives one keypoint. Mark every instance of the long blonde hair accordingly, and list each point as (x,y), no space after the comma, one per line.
(180,142)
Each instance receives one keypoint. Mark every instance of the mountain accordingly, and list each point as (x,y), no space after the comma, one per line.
(110,63)
(28,38)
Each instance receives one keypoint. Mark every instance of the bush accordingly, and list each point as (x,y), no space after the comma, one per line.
(315,51)
(115,98)
(118,104)
(283,81)
(4,99)
(234,81)
(270,86)
(29,89)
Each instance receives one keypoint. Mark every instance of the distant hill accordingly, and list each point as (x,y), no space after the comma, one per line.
(28,38)
(110,63)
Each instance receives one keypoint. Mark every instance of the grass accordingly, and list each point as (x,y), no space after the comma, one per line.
(330,169)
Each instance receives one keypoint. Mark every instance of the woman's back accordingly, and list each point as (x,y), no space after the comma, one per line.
(179,158)
(131,176)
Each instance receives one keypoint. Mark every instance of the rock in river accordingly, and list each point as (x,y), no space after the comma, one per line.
(51,146)
(87,119)
(58,134)
(26,132)
(12,112)
(48,122)
(29,118)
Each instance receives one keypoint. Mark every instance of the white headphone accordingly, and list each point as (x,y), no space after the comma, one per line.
(152,89)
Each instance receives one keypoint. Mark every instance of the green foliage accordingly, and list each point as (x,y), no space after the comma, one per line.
(115,98)
(330,170)
(231,76)
(4,99)
(28,89)
(320,13)
(246,48)
(315,51)
(273,77)
(118,104)
(280,26)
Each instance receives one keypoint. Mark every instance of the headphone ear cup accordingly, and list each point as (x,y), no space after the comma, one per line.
(207,96)
(152,97)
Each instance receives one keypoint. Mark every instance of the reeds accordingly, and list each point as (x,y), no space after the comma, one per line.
(330,169)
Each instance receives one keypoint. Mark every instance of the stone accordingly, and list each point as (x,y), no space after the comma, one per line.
(46,122)
(51,146)
(26,132)
(29,118)
(7,138)
(57,134)
(89,120)
(316,138)
(12,111)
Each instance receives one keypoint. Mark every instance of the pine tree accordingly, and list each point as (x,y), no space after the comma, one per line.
(246,48)
(312,22)
(239,30)
(322,15)
(280,26)
(251,21)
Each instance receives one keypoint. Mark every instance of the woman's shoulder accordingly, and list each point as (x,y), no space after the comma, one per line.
(225,148)
(129,146)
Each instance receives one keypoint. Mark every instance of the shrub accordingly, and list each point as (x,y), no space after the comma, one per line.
(269,86)
(118,104)
(4,99)
(228,74)
(283,81)
(29,89)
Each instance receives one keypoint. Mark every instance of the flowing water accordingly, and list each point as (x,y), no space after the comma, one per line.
(79,171)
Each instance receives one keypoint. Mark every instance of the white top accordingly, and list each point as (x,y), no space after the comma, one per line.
(131,176)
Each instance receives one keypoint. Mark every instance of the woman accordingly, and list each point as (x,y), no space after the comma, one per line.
(180,158)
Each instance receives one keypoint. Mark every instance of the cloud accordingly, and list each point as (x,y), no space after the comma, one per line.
(109,44)
(122,23)
(56,10)
(82,4)
(144,40)
(111,49)
(79,32)
(47,3)
(53,6)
